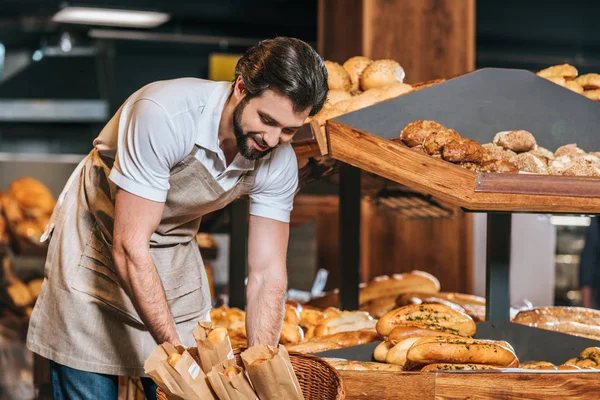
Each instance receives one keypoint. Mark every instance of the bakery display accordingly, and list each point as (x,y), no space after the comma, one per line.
(576,321)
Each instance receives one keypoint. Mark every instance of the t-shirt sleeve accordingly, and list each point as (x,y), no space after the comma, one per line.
(148,147)
(275,185)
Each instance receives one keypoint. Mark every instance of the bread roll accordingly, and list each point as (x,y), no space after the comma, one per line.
(338,78)
(346,365)
(217,335)
(498,167)
(291,334)
(463,150)
(415,281)
(11,209)
(527,162)
(559,165)
(33,196)
(394,90)
(335,341)
(437,316)
(589,81)
(432,350)
(494,152)
(538,365)
(457,298)
(313,347)
(174,359)
(381,73)
(377,308)
(576,321)
(355,67)
(570,150)
(335,96)
(518,141)
(565,367)
(435,142)
(381,350)
(574,87)
(397,354)
(455,367)
(363,100)
(310,317)
(292,315)
(562,70)
(232,371)
(402,332)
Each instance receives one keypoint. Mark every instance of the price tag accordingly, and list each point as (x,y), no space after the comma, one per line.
(194,370)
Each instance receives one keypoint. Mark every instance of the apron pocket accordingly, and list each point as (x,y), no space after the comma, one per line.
(178,268)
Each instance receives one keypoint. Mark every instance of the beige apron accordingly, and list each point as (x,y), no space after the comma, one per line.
(83,319)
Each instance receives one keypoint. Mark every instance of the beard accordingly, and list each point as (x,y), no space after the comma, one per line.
(243,140)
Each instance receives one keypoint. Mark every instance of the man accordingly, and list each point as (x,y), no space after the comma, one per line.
(123,271)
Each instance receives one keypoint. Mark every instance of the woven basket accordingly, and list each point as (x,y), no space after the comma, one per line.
(318,379)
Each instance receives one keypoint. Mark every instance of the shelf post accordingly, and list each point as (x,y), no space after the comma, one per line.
(238,253)
(349,236)
(497,277)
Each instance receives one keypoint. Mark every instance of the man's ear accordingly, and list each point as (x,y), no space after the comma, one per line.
(239,89)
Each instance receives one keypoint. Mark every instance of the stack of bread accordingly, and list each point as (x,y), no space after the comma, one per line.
(509,152)
(361,82)
(27,206)
(567,76)
(432,337)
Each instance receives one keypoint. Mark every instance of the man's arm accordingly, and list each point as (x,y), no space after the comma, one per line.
(267,280)
(136,219)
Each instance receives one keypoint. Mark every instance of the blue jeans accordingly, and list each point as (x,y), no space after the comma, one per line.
(73,384)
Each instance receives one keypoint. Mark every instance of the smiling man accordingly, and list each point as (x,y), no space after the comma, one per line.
(123,271)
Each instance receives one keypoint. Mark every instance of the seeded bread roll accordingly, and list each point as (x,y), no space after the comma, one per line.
(527,162)
(518,141)
(435,142)
(335,96)
(355,67)
(338,78)
(499,167)
(381,73)
(463,150)
(416,132)
(427,316)
(570,150)
(494,152)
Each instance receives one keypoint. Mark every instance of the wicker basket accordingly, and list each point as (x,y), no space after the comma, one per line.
(318,379)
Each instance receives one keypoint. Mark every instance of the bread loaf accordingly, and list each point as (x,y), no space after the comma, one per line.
(474,306)
(347,365)
(310,317)
(292,315)
(338,78)
(406,331)
(355,67)
(576,321)
(382,350)
(33,196)
(335,341)
(291,333)
(416,132)
(398,353)
(313,347)
(455,367)
(345,322)
(381,73)
(428,316)
(541,365)
(415,281)
(432,350)
(377,308)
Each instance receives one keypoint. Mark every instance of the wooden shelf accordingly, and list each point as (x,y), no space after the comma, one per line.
(474,385)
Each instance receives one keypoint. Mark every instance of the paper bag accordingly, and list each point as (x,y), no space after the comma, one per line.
(210,353)
(235,388)
(184,380)
(271,373)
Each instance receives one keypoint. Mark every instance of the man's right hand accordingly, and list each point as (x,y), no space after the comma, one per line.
(136,219)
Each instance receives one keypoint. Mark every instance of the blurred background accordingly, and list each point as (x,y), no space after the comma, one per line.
(65,70)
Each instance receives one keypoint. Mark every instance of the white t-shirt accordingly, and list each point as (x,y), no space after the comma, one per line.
(159,125)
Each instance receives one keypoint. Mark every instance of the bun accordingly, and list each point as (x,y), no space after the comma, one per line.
(493,152)
(381,73)
(416,132)
(382,350)
(394,90)
(174,359)
(427,316)
(563,70)
(345,365)
(415,281)
(217,335)
(335,96)
(338,78)
(543,365)
(291,333)
(377,308)
(232,371)
(32,195)
(435,142)
(292,315)
(355,67)
(463,150)
(570,150)
(259,361)
(461,351)
(345,322)
(518,141)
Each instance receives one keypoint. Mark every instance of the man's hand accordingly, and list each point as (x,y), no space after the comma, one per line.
(136,219)
(267,280)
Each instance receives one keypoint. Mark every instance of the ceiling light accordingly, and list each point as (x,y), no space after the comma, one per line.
(110,17)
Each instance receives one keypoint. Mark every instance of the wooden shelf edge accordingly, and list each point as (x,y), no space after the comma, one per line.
(444,180)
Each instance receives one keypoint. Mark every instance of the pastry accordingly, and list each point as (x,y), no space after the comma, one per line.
(455,367)
(518,141)
(563,70)
(432,350)
(463,150)
(355,67)
(435,142)
(574,86)
(338,78)
(381,73)
(416,132)
(436,316)
(494,152)
(527,162)
(570,150)
(592,94)
(589,81)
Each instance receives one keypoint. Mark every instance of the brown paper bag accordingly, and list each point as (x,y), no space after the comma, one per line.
(271,373)
(183,381)
(212,354)
(235,388)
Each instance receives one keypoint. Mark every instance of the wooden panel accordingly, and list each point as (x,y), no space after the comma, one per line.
(430,38)
(340,34)
(535,184)
(441,179)
(388,385)
(542,386)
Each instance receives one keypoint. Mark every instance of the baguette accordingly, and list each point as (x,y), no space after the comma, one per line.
(313,347)
(415,281)
(347,321)
(540,365)
(406,331)
(456,298)
(335,341)
(398,353)
(557,314)
(291,334)
(436,316)
(455,367)
(377,308)
(346,365)
(432,350)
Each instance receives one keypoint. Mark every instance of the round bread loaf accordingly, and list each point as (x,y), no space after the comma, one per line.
(338,78)
(355,67)
(381,73)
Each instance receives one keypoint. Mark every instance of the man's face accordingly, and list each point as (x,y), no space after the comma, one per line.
(262,123)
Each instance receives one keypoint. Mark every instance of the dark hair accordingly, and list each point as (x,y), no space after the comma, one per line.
(287,66)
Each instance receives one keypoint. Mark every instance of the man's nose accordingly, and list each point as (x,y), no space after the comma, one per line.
(272,136)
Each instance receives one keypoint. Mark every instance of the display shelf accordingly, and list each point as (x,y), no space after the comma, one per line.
(477,105)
